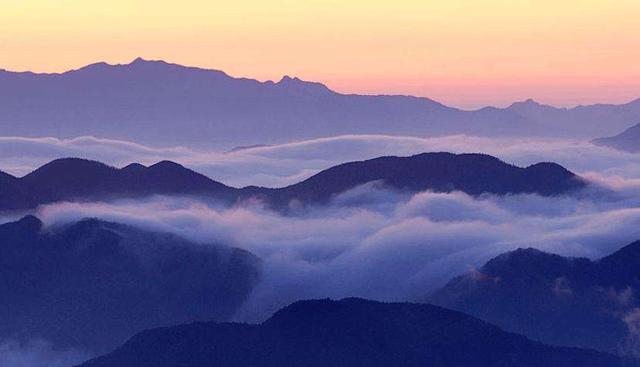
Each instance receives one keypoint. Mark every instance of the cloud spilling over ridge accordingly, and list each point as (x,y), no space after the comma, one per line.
(379,244)
(285,164)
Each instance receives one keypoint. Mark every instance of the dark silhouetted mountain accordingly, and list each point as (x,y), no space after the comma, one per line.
(554,299)
(74,179)
(474,174)
(346,333)
(155,102)
(13,195)
(628,140)
(90,285)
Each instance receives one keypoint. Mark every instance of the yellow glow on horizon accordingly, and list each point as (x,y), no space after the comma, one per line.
(464,52)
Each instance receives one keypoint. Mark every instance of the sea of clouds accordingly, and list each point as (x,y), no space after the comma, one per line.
(380,244)
(370,242)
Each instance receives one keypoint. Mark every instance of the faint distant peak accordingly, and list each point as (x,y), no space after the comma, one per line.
(530,102)
(292,80)
(141,66)
(627,140)
(138,60)
(294,83)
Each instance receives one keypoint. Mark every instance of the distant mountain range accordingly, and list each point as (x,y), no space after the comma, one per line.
(628,140)
(81,180)
(347,333)
(554,299)
(90,285)
(155,102)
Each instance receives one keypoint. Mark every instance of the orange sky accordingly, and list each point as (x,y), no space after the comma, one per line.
(465,53)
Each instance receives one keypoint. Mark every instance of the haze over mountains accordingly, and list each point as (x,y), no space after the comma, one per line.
(554,299)
(158,103)
(75,179)
(90,285)
(349,333)
(628,140)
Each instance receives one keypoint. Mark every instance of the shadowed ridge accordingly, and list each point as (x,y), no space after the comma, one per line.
(555,299)
(29,223)
(134,167)
(531,263)
(14,194)
(549,166)
(347,333)
(551,179)
(474,174)
(174,177)
(6,177)
(68,166)
(168,165)
(622,268)
(91,284)
(630,253)
(71,179)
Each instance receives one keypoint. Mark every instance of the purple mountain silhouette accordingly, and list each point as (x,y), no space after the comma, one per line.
(156,102)
(628,140)
(73,179)
(347,333)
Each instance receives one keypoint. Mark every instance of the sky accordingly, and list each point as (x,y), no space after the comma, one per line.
(466,53)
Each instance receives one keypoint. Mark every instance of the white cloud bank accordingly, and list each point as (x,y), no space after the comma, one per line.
(284,164)
(378,244)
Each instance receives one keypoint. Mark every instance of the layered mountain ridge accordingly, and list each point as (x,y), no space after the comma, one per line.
(159,103)
(75,179)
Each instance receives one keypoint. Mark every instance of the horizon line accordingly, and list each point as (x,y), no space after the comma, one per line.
(140,59)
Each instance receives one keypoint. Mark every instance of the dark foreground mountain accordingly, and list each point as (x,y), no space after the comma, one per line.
(347,333)
(159,103)
(81,180)
(628,140)
(555,299)
(92,284)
